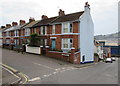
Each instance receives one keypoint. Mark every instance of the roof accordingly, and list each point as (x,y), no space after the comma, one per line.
(31,24)
(69,17)
(15,27)
(57,19)
(44,21)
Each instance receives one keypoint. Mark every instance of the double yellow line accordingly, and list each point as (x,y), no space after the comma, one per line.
(15,71)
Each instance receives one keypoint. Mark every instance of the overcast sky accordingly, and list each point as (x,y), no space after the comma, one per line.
(104,12)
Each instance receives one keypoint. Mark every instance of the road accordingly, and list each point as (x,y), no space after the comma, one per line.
(44,70)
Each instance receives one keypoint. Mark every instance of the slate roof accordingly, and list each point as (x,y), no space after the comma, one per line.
(15,27)
(44,21)
(57,19)
(31,24)
(69,17)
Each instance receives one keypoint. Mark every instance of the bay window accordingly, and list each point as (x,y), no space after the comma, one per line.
(67,43)
(67,27)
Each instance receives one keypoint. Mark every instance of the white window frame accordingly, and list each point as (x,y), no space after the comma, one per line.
(27,31)
(68,39)
(41,30)
(16,41)
(68,24)
(7,41)
(35,30)
(16,33)
(53,29)
(7,34)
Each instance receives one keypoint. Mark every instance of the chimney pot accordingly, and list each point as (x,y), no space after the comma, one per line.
(31,19)
(8,25)
(61,13)
(14,23)
(22,22)
(2,27)
(44,17)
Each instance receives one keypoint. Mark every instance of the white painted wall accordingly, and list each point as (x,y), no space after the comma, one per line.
(99,51)
(87,36)
(35,50)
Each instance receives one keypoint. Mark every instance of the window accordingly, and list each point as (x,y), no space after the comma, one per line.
(67,43)
(67,27)
(70,27)
(7,34)
(43,30)
(7,41)
(16,33)
(53,29)
(16,41)
(35,31)
(27,31)
(43,42)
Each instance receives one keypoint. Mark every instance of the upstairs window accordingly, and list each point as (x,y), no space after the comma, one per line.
(27,31)
(16,33)
(53,29)
(43,30)
(71,27)
(67,27)
(7,34)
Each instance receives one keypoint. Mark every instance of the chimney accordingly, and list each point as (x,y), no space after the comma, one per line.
(87,5)
(14,23)
(8,25)
(2,27)
(44,17)
(31,19)
(61,13)
(22,22)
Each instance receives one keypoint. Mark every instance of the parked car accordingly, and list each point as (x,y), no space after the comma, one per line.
(108,60)
(113,59)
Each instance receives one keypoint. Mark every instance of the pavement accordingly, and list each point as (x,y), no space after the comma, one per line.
(44,70)
(7,77)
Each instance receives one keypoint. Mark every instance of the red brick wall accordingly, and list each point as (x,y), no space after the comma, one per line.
(75,27)
(58,28)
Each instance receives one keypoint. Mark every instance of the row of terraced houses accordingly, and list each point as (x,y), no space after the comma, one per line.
(73,34)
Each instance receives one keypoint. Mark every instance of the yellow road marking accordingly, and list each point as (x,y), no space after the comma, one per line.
(14,70)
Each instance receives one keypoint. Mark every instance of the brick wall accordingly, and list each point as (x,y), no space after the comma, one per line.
(73,57)
(75,27)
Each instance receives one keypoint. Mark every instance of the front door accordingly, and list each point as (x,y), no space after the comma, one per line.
(53,44)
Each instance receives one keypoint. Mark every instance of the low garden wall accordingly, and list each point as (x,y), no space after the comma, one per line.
(35,50)
(73,57)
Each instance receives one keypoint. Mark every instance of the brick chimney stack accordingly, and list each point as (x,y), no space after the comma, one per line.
(44,17)
(14,23)
(61,13)
(2,27)
(8,25)
(22,22)
(31,19)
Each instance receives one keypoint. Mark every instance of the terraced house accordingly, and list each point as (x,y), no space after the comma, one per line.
(66,36)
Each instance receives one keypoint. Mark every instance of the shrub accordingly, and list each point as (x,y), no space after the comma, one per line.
(33,39)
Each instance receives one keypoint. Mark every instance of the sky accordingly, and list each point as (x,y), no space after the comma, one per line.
(104,12)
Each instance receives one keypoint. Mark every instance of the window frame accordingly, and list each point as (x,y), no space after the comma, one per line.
(53,29)
(68,27)
(68,42)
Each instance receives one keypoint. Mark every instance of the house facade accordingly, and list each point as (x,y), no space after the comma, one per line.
(67,36)
(66,32)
